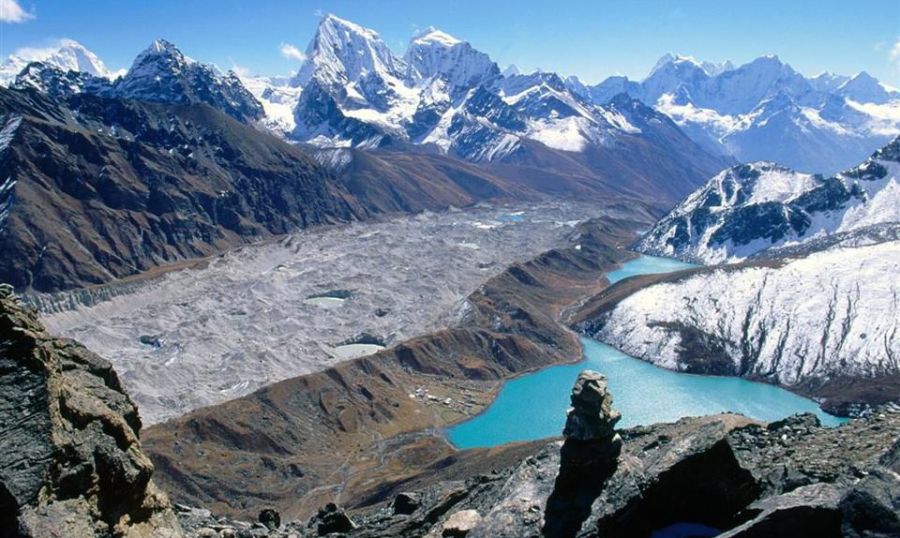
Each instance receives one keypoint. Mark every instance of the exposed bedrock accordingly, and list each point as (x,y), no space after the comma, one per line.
(70,460)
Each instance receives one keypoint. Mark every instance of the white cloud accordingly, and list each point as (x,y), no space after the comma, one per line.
(240,70)
(11,11)
(291,52)
(36,54)
(894,54)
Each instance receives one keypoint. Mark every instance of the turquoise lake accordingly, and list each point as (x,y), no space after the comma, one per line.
(534,406)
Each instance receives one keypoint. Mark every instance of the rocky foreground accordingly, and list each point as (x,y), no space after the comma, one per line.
(721,475)
(72,465)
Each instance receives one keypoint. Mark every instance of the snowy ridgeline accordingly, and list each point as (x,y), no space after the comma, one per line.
(264,313)
(750,208)
(832,313)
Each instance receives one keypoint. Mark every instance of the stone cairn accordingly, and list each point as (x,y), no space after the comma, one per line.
(591,419)
(588,456)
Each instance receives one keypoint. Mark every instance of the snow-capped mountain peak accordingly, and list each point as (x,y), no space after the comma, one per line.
(433,35)
(66,55)
(162,73)
(669,59)
(436,54)
(864,88)
(160,55)
(684,62)
(344,52)
(73,56)
(750,208)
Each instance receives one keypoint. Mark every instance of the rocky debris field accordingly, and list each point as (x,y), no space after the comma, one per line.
(260,314)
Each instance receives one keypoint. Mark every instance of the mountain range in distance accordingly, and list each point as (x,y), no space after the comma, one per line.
(447,97)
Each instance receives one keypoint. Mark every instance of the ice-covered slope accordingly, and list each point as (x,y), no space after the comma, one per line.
(752,207)
(69,55)
(834,314)
(436,54)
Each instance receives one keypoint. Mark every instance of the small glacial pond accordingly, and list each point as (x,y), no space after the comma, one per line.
(534,406)
(352,351)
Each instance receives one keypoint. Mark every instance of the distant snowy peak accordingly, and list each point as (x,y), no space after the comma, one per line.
(828,82)
(750,208)
(73,56)
(436,54)
(432,35)
(678,60)
(864,88)
(67,55)
(58,83)
(343,52)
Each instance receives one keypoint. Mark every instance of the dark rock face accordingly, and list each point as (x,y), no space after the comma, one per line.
(60,84)
(406,503)
(724,474)
(134,185)
(70,460)
(270,518)
(331,519)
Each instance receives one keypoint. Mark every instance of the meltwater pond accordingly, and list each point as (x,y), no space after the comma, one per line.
(534,406)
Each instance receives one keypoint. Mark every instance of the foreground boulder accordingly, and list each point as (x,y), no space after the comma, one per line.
(71,464)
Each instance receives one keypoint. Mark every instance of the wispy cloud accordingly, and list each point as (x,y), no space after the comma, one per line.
(11,11)
(38,54)
(291,52)
(894,54)
(239,70)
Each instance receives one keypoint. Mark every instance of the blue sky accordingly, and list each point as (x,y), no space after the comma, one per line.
(589,38)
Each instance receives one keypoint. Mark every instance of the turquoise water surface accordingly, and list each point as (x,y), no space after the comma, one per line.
(534,406)
(646,265)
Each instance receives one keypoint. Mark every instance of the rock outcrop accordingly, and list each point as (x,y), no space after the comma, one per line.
(71,463)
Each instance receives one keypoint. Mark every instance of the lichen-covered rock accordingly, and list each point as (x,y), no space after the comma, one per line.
(70,460)
(461,523)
